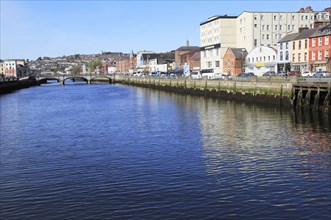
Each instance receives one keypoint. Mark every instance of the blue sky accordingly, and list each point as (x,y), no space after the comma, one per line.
(34,28)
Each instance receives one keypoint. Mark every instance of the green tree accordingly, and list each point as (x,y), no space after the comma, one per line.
(76,69)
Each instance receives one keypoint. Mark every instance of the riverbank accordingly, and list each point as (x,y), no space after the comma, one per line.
(280,93)
(10,86)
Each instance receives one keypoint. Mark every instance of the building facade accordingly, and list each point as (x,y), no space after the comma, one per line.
(256,29)
(217,34)
(14,68)
(284,49)
(234,61)
(320,49)
(260,60)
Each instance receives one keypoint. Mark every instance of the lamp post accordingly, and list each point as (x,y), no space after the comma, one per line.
(242,59)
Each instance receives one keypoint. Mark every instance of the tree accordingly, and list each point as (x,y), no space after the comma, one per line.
(92,64)
(76,69)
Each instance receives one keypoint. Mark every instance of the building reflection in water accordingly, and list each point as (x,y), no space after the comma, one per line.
(246,139)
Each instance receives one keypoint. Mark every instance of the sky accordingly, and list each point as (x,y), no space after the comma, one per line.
(53,28)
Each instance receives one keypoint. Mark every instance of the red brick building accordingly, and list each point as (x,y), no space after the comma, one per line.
(184,55)
(234,61)
(320,49)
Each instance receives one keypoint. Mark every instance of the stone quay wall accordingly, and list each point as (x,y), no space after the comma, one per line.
(276,93)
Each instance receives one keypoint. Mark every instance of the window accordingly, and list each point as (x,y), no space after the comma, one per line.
(326,54)
(273,57)
(293,45)
(276,36)
(314,56)
(217,63)
(293,57)
(276,26)
(262,17)
(299,57)
(326,40)
(209,64)
(280,17)
(306,43)
(264,58)
(286,45)
(275,17)
(293,17)
(267,27)
(302,17)
(314,42)
(286,55)
(319,41)
(281,46)
(280,27)
(305,56)
(249,60)
(289,27)
(281,55)
(255,25)
(252,59)
(262,36)
(293,27)
(319,55)
(299,44)
(268,58)
(267,36)
(262,27)
(255,42)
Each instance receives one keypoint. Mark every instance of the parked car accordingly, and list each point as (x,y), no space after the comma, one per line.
(281,74)
(249,74)
(307,74)
(293,73)
(269,73)
(322,74)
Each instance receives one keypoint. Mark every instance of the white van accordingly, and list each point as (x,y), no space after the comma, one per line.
(196,75)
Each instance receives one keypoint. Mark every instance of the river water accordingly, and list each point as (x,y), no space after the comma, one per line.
(121,152)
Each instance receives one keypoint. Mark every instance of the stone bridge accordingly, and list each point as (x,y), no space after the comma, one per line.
(89,79)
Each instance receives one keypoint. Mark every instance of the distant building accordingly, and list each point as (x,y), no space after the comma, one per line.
(284,52)
(260,60)
(323,17)
(234,61)
(184,54)
(15,68)
(320,49)
(217,34)
(300,49)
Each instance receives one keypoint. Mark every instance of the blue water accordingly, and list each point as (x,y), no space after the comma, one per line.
(120,152)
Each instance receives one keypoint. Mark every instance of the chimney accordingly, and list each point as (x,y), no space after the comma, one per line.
(302,29)
(302,10)
(308,9)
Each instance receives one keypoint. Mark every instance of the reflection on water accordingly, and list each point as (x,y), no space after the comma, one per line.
(120,152)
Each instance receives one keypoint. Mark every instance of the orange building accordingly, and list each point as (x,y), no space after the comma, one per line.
(234,61)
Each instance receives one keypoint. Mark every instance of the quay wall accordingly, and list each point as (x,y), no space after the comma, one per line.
(276,93)
(10,86)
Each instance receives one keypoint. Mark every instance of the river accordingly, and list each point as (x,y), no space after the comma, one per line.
(121,152)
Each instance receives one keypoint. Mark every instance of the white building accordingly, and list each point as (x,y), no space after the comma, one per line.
(216,35)
(11,67)
(256,29)
(284,54)
(260,60)
(154,66)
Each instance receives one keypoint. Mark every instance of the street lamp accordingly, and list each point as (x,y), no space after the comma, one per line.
(242,59)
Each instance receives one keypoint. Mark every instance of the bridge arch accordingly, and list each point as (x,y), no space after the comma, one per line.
(74,78)
(100,77)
